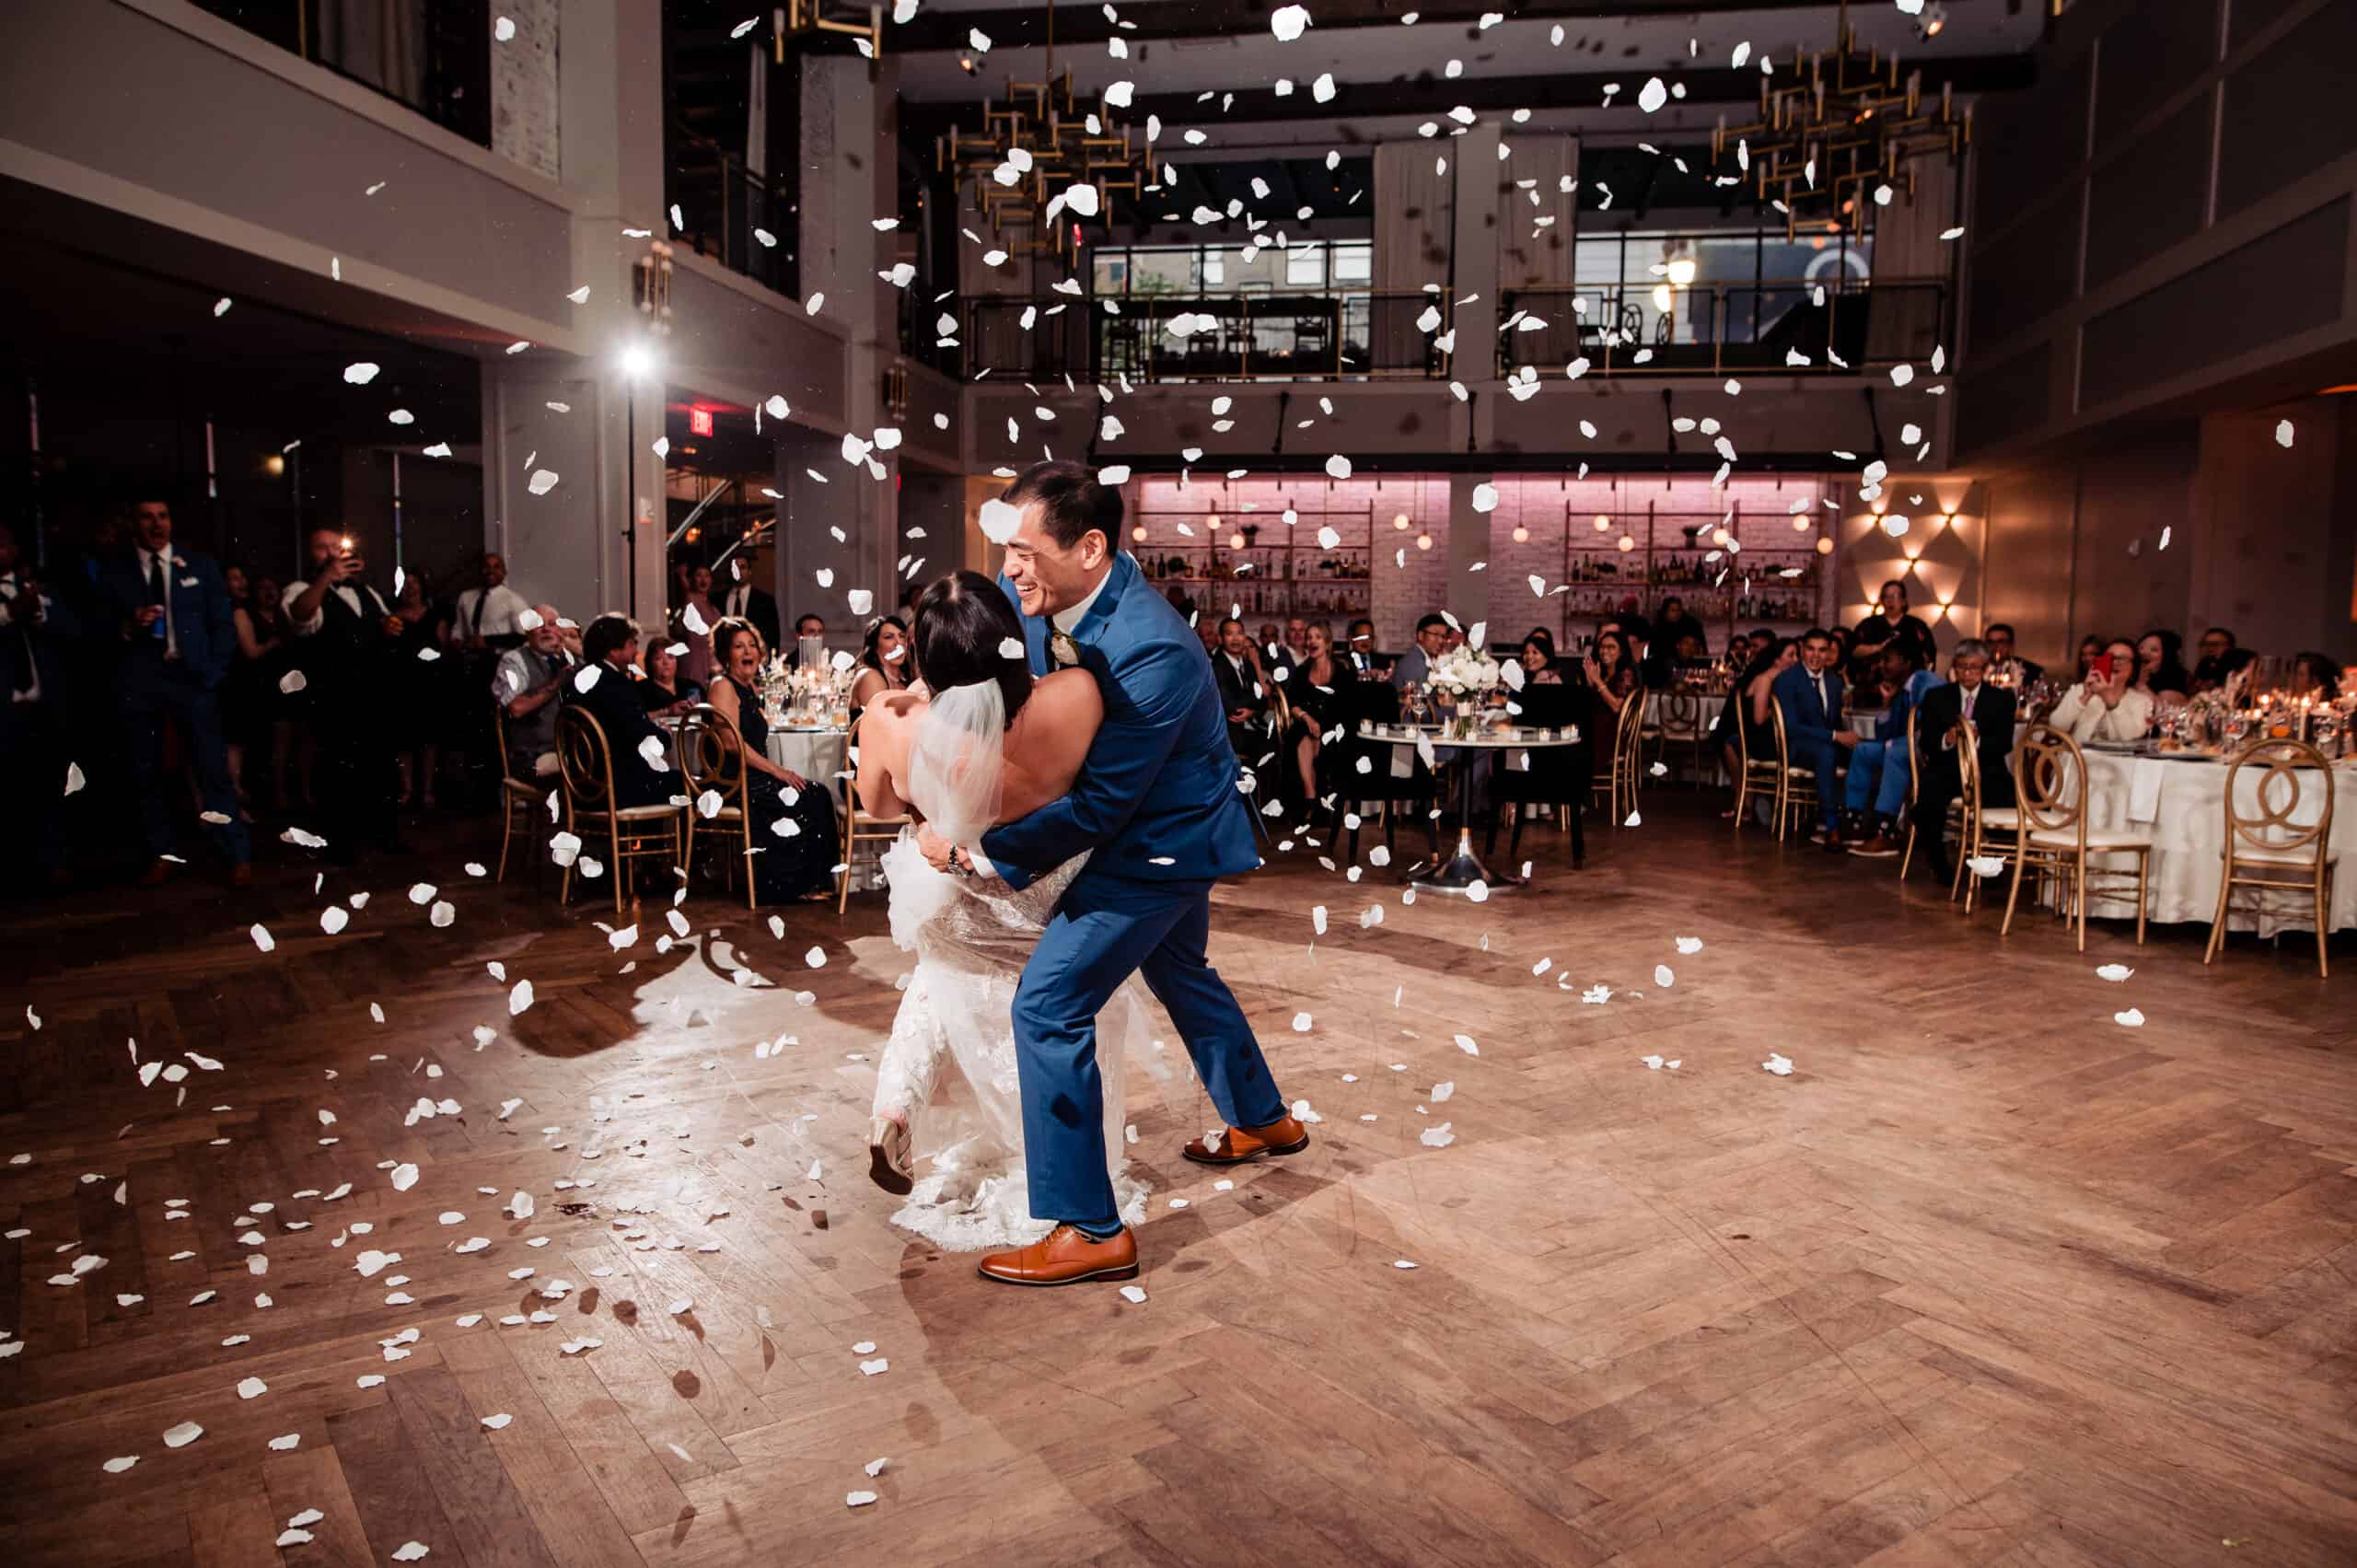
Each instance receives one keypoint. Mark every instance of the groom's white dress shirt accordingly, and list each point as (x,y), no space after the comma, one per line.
(1062,620)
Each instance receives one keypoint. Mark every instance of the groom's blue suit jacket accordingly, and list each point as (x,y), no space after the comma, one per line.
(1156,799)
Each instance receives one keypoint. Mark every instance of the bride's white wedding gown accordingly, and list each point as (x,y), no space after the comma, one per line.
(971,937)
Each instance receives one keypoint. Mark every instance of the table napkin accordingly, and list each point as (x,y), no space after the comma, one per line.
(2144,777)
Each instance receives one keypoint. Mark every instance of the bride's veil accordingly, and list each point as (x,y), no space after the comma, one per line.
(958,760)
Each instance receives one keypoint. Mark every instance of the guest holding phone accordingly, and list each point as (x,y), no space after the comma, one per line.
(346,638)
(2106,705)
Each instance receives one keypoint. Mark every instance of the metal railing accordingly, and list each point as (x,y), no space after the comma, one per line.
(747,222)
(432,55)
(1344,335)
(1709,329)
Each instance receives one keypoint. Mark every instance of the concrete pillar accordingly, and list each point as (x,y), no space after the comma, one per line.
(1469,542)
(1473,165)
(935,504)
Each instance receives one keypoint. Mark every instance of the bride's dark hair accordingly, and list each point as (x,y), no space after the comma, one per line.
(963,622)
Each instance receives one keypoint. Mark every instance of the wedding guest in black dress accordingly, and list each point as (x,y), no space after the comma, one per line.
(1313,689)
(792,818)
(665,691)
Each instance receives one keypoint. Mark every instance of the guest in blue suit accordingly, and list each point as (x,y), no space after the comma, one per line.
(1879,768)
(180,641)
(1157,810)
(1810,695)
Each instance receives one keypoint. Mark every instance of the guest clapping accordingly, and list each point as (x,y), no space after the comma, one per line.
(1611,670)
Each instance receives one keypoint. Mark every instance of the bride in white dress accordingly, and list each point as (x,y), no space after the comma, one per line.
(978,741)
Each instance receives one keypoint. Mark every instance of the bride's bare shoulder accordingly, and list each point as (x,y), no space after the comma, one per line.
(891,711)
(1064,701)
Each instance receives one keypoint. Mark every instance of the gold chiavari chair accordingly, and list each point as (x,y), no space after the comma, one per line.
(631,833)
(519,799)
(712,764)
(1976,822)
(1618,785)
(2050,787)
(1790,802)
(860,825)
(2271,850)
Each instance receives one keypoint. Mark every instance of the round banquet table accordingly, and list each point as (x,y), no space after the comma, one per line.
(2182,803)
(1461,872)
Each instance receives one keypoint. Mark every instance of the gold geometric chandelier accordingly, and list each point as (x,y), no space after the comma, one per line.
(1835,127)
(1033,147)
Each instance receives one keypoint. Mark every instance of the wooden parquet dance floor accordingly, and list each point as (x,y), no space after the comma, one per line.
(1990,1278)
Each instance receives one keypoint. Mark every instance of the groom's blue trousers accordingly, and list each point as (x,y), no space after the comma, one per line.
(1105,930)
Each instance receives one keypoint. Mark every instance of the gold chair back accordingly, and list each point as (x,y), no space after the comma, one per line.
(2051,782)
(2275,794)
(710,757)
(584,762)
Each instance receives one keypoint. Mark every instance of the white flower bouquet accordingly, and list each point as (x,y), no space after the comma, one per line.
(1463,671)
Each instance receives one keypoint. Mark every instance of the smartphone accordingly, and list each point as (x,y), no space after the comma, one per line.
(2101,669)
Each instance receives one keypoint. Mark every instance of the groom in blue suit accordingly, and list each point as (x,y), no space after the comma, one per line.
(1157,802)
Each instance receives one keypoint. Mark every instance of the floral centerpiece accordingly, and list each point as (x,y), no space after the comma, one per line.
(1463,673)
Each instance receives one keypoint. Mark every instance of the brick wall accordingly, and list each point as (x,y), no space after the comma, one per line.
(1409,583)
(524,87)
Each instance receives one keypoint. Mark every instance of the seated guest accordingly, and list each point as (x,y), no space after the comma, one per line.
(2013,671)
(608,649)
(1809,694)
(36,630)
(2221,661)
(2090,650)
(1990,709)
(793,818)
(1414,666)
(666,693)
(488,616)
(1268,636)
(2316,676)
(1539,666)
(805,626)
(1370,665)
(884,660)
(1747,702)
(1880,768)
(527,684)
(1664,655)
(1611,671)
(2160,670)
(2106,705)
(1240,688)
(1893,623)
(1315,690)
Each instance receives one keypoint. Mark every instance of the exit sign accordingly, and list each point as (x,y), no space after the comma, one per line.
(699,421)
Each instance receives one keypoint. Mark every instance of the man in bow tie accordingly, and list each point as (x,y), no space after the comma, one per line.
(173,614)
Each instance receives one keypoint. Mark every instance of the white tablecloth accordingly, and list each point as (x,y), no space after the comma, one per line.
(2183,805)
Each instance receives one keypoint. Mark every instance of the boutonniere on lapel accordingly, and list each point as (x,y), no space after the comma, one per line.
(1066,651)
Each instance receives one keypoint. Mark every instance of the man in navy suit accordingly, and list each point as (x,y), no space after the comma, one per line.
(609,647)
(1810,695)
(1158,807)
(179,640)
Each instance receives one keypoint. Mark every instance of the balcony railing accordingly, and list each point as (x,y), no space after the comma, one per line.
(433,55)
(1711,329)
(747,222)
(1344,335)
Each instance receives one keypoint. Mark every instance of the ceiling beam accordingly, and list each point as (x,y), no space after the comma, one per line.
(1430,96)
(1076,24)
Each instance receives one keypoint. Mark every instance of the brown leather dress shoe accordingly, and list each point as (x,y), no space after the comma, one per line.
(1240,1145)
(1066,1258)
(158,872)
(241,875)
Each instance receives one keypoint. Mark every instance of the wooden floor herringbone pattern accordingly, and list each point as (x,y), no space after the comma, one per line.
(1989,1279)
